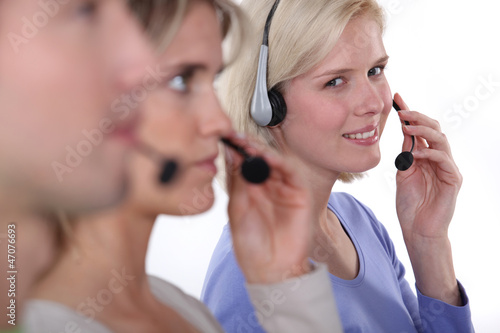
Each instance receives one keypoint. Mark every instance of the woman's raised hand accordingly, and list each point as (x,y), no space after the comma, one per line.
(270,222)
(427,192)
(425,202)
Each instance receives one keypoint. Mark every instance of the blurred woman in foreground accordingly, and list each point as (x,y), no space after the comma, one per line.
(99,283)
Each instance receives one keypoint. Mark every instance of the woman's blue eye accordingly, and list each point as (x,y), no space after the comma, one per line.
(178,83)
(375,71)
(335,82)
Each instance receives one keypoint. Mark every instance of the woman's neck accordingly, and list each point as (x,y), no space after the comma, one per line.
(14,206)
(320,183)
(331,244)
(105,254)
(101,275)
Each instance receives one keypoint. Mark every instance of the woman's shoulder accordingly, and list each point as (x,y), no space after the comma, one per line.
(357,216)
(223,251)
(186,305)
(171,295)
(47,316)
(346,204)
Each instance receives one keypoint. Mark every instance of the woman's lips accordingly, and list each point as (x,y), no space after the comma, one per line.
(127,135)
(364,137)
(126,130)
(208,164)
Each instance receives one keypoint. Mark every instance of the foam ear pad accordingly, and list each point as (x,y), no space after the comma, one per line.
(278,106)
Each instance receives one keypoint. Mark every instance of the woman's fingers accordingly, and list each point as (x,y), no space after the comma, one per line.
(427,131)
(408,141)
(281,169)
(233,166)
(447,170)
(417,118)
(434,138)
(400,102)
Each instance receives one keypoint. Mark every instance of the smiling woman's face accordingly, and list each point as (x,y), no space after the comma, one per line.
(183,119)
(337,111)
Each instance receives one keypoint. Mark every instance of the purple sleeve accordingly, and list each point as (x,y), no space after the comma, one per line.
(224,291)
(429,314)
(438,316)
(299,304)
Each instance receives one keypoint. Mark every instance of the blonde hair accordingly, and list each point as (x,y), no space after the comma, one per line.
(302,33)
(162,19)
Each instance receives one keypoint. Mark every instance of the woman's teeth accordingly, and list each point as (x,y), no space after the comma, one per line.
(360,136)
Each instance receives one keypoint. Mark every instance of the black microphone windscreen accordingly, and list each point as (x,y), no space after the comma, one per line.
(404,161)
(168,171)
(255,170)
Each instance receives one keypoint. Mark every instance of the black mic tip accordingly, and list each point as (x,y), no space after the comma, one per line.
(168,171)
(395,106)
(168,167)
(404,161)
(255,170)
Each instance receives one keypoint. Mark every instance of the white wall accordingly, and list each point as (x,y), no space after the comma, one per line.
(441,53)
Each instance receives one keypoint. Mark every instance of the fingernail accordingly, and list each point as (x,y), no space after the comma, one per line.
(268,155)
(417,153)
(228,155)
(408,127)
(241,136)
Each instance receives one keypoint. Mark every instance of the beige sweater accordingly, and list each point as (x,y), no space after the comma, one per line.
(303,304)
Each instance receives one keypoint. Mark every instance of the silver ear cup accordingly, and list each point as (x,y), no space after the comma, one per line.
(261,110)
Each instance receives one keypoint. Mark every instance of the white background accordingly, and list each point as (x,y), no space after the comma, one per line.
(441,53)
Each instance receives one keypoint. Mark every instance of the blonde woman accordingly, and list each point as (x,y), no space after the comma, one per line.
(327,60)
(58,78)
(99,283)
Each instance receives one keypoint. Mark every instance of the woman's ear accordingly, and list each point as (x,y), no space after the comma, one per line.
(278,135)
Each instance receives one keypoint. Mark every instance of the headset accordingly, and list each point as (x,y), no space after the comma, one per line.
(268,107)
(405,159)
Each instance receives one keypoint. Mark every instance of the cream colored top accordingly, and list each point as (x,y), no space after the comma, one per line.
(303,304)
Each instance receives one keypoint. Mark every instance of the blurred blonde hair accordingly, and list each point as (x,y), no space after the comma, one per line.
(162,19)
(302,33)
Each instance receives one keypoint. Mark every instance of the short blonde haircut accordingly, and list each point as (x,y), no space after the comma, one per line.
(302,33)
(162,19)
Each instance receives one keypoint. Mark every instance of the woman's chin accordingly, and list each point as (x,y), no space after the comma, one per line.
(365,165)
(198,201)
